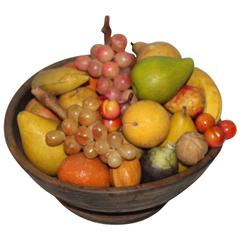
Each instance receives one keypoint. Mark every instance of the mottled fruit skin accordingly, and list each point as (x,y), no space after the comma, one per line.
(190,97)
(160,78)
(82,171)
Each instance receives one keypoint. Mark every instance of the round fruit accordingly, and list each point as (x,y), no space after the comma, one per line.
(83,135)
(115,139)
(91,103)
(89,150)
(82,62)
(73,111)
(103,84)
(101,146)
(95,68)
(94,49)
(99,130)
(71,146)
(114,159)
(127,151)
(69,126)
(104,53)
(55,137)
(110,69)
(118,42)
(81,171)
(122,82)
(123,59)
(204,121)
(112,125)
(214,137)
(87,117)
(145,124)
(113,93)
(228,127)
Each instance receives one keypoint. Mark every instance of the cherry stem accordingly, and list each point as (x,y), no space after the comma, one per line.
(106,30)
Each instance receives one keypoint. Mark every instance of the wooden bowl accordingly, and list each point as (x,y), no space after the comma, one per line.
(111,205)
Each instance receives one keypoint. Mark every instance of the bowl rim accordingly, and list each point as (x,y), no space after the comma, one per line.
(23,161)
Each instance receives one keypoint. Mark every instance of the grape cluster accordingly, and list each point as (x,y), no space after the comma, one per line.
(83,130)
(111,65)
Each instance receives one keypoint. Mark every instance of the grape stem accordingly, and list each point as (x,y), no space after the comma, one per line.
(106,30)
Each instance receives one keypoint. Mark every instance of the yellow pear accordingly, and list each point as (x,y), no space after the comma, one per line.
(33,129)
(144,50)
(180,123)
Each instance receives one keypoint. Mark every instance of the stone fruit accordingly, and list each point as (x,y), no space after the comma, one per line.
(160,78)
(112,125)
(33,130)
(128,174)
(76,96)
(59,80)
(159,162)
(144,50)
(190,97)
(81,171)
(145,124)
(180,123)
(213,100)
(110,109)
(37,108)
(191,147)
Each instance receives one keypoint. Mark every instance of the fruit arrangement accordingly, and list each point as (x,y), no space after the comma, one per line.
(114,118)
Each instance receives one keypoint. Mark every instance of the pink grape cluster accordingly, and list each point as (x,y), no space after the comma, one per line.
(111,65)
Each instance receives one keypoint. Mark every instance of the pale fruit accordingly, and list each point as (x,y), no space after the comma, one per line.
(77,96)
(145,124)
(33,130)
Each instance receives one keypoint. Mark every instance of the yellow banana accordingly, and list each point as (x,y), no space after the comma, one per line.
(180,123)
(59,80)
(213,97)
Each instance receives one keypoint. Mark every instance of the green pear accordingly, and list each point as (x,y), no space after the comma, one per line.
(33,130)
(159,78)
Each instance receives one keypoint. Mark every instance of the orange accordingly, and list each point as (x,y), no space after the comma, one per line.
(81,171)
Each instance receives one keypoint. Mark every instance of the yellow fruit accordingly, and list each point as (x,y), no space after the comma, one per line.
(33,130)
(180,123)
(59,80)
(145,124)
(213,100)
(76,96)
(155,49)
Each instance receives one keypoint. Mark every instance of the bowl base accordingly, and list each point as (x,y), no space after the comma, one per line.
(112,218)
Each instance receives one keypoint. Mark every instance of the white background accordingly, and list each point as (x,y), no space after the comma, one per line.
(34,34)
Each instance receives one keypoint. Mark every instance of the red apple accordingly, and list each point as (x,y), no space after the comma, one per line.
(112,125)
(110,109)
